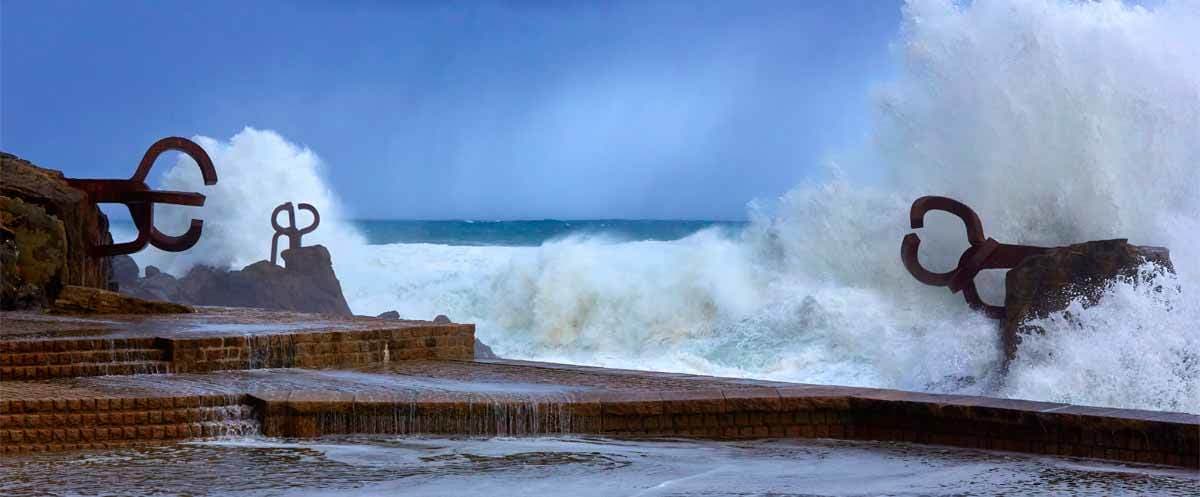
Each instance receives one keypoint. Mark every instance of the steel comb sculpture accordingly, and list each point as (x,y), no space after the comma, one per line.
(984,253)
(292,232)
(140,200)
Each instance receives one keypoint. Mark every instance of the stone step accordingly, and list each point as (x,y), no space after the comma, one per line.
(75,344)
(59,420)
(17,373)
(67,422)
(81,357)
(37,346)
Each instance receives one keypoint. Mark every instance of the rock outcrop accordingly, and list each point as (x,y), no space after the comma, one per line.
(85,300)
(124,272)
(306,283)
(46,229)
(1049,282)
(482,351)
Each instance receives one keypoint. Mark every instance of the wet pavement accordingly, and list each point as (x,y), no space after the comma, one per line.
(70,384)
(207,321)
(577,466)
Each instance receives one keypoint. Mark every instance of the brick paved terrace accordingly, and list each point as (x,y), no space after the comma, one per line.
(224,371)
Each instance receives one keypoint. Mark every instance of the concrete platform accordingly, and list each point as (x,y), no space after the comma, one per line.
(524,398)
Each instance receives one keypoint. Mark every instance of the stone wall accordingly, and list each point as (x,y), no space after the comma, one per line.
(59,358)
(751,413)
(74,423)
(341,349)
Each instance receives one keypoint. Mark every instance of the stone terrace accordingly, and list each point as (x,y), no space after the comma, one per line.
(37,346)
(427,383)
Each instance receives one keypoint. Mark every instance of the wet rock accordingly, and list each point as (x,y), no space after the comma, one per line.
(306,284)
(158,286)
(1049,282)
(39,209)
(34,251)
(125,270)
(85,300)
(482,351)
(389,315)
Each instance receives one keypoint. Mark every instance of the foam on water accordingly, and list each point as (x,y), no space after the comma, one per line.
(387,465)
(1057,121)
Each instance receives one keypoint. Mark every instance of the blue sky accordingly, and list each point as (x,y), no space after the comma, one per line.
(438,110)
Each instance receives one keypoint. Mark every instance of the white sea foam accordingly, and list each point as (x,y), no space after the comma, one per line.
(1057,121)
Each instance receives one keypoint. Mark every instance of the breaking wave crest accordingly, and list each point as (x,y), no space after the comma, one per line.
(1059,122)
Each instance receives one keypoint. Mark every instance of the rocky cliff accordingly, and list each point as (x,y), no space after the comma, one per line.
(46,228)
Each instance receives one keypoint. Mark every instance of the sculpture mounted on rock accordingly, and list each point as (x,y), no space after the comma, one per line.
(140,200)
(292,232)
(1042,280)
(984,253)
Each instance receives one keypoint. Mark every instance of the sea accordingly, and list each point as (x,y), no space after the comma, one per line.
(1058,122)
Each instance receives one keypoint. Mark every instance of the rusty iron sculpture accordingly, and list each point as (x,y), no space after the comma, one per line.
(292,232)
(140,200)
(984,253)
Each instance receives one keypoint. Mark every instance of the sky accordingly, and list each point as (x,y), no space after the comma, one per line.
(462,110)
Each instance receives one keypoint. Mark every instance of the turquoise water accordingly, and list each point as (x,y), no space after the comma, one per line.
(510,233)
(528,233)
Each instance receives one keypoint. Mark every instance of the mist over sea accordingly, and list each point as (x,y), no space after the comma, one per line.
(1057,122)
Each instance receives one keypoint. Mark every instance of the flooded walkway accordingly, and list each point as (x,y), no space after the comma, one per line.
(69,384)
(381,465)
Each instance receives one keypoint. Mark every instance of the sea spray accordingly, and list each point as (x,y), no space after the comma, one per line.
(1059,122)
(258,170)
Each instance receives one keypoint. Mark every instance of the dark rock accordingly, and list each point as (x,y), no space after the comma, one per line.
(125,270)
(1049,282)
(84,300)
(441,319)
(482,351)
(39,208)
(158,286)
(389,315)
(307,284)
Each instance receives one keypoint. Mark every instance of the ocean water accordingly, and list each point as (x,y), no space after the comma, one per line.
(529,233)
(1058,121)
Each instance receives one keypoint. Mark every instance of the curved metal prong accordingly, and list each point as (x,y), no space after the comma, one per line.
(275,245)
(923,205)
(275,214)
(179,243)
(970,263)
(143,217)
(971,295)
(908,254)
(207,171)
(316,218)
(115,249)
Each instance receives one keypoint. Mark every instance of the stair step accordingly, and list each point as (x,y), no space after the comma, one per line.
(80,357)
(74,344)
(17,373)
(233,415)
